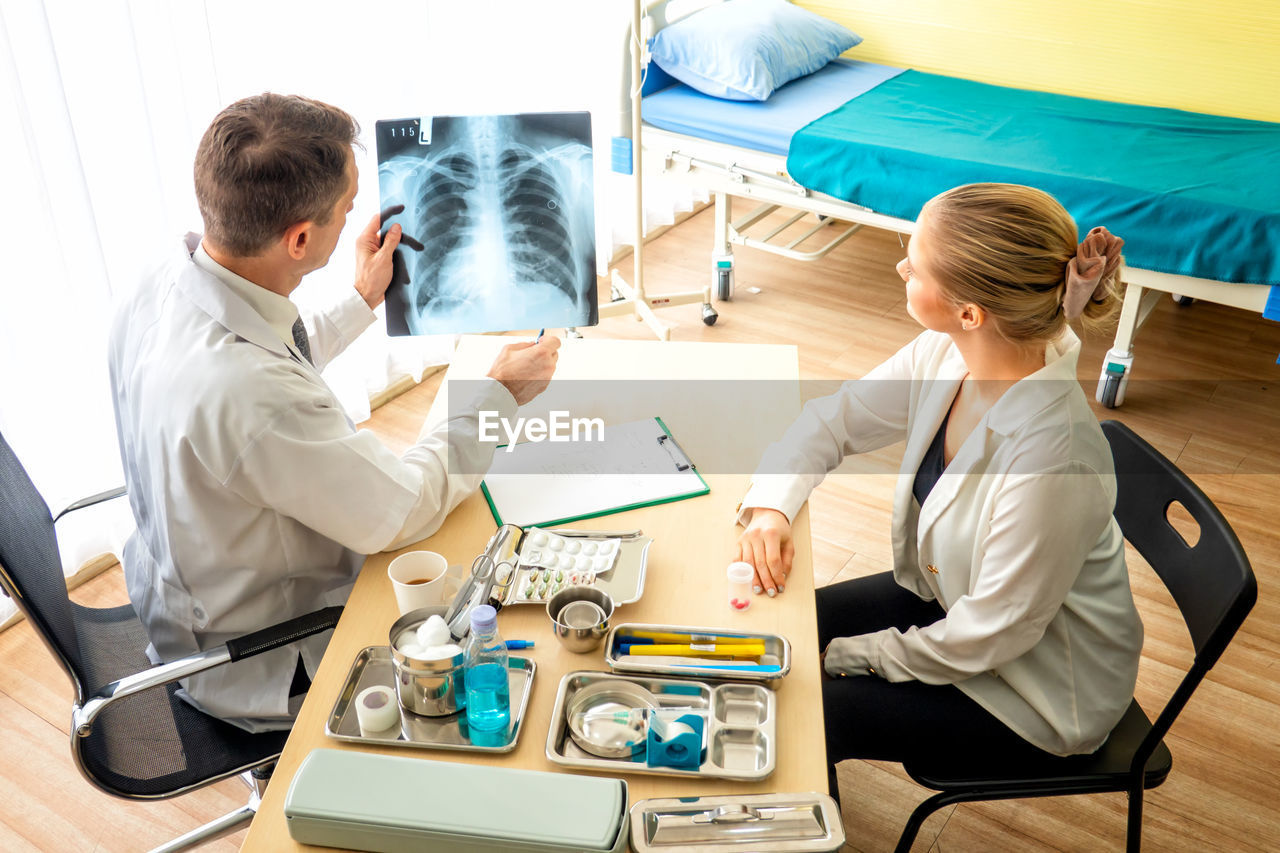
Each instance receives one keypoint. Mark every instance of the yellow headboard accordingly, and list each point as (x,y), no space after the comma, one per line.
(1210,57)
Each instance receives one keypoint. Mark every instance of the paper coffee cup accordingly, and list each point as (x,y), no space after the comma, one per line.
(420,579)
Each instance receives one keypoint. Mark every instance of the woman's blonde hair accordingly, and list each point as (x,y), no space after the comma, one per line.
(1005,248)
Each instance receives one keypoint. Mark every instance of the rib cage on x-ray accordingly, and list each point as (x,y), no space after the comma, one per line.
(506,224)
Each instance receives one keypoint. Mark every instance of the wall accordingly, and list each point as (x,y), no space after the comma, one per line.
(1221,58)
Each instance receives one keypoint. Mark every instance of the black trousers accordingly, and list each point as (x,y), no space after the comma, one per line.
(869,717)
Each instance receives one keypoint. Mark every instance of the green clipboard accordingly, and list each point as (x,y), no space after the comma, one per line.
(543,483)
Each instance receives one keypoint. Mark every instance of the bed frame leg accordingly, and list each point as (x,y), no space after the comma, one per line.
(722,250)
(1118,365)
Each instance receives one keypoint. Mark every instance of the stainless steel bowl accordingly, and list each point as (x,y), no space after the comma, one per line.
(432,688)
(580,617)
(611,718)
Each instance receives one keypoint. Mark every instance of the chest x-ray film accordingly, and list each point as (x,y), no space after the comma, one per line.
(498,222)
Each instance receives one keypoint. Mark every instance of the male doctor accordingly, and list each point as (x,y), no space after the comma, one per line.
(254,495)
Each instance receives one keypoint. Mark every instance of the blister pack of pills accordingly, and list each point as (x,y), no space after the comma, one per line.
(543,549)
(549,562)
(541,584)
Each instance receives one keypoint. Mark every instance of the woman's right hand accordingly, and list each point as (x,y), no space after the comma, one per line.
(766,544)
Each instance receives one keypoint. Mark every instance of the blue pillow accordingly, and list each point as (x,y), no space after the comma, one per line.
(744,49)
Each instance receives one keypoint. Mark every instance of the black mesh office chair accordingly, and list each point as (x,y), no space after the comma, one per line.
(1214,588)
(131,736)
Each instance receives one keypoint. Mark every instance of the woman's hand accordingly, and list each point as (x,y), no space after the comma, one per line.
(766,544)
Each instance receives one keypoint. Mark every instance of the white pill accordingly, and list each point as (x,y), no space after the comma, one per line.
(538,538)
(589,548)
(565,561)
(376,709)
(607,547)
(572,547)
(601,563)
(581,562)
(556,544)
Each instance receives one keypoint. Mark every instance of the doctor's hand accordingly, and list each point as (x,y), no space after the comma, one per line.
(525,368)
(767,545)
(374,259)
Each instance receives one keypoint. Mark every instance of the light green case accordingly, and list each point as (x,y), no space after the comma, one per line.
(389,804)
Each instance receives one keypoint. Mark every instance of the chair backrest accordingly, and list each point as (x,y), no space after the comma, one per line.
(31,567)
(1211,581)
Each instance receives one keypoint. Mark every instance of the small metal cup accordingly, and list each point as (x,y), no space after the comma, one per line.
(580,617)
(432,688)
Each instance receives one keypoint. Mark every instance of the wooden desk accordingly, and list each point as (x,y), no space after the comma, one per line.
(685,582)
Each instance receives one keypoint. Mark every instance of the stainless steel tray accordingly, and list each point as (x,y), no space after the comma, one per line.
(774,664)
(794,823)
(624,582)
(373,666)
(741,732)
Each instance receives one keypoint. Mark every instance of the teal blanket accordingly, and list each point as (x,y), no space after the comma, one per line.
(1191,194)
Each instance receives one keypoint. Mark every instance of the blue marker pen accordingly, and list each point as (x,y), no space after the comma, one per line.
(519,644)
(540,334)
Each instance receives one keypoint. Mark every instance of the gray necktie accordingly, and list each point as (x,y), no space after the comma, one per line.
(300,339)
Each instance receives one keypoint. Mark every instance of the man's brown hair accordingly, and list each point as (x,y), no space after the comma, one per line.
(268,162)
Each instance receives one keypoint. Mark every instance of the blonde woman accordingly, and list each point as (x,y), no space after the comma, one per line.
(1007,622)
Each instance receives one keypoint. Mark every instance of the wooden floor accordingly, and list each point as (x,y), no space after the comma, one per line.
(1206,395)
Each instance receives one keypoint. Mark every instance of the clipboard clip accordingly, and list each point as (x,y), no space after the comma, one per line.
(678,457)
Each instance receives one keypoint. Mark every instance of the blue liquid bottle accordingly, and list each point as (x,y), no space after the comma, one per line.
(488,688)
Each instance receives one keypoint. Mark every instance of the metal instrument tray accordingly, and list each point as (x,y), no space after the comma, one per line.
(777,653)
(741,730)
(795,823)
(373,666)
(624,582)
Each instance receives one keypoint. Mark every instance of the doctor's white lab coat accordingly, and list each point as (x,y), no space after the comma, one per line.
(254,494)
(1016,541)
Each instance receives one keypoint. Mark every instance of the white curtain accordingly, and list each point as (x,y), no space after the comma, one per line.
(104,104)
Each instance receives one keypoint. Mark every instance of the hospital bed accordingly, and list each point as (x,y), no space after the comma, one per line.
(892,138)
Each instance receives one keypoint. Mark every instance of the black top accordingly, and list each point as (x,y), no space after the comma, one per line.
(933,464)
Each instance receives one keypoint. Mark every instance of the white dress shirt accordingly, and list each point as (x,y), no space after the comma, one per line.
(254,494)
(1016,541)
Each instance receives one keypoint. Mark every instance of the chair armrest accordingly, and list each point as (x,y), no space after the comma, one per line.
(251,644)
(93,499)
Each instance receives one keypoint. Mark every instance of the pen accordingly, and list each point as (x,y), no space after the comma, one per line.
(676,660)
(748,667)
(736,649)
(540,333)
(519,644)
(649,637)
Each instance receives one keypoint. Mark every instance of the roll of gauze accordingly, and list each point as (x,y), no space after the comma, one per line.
(376,709)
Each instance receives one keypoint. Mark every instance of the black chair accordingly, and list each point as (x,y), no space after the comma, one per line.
(1214,588)
(131,736)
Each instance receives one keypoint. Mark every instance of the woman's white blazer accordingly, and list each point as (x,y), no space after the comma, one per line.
(1016,541)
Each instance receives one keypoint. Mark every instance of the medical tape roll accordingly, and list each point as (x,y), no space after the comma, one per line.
(377,709)
(675,729)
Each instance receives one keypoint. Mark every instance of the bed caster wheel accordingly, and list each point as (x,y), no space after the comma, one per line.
(1183,301)
(1109,392)
(615,295)
(571,332)
(709,314)
(1114,379)
(724,285)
